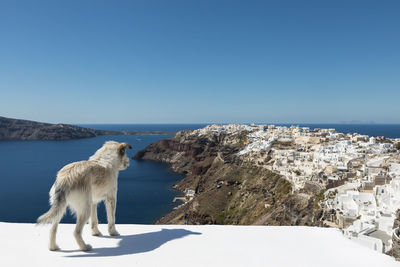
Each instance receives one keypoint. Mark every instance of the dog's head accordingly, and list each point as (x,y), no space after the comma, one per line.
(113,153)
(122,154)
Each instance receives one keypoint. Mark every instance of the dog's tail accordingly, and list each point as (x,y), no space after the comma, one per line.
(58,205)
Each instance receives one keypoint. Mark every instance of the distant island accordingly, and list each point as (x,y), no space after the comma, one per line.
(15,129)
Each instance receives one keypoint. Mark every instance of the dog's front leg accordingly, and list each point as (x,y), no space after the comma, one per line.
(110,207)
(94,222)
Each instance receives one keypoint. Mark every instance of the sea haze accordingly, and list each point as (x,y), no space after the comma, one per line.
(387,130)
(145,127)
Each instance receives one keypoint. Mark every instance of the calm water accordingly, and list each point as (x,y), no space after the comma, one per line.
(28,169)
(387,130)
(145,127)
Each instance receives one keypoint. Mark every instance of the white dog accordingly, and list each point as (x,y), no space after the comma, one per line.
(81,186)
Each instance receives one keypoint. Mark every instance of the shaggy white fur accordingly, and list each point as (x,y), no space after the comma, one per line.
(81,186)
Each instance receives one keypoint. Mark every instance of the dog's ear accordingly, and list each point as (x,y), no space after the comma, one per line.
(122,148)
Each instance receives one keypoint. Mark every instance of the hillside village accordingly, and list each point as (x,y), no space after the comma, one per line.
(358,175)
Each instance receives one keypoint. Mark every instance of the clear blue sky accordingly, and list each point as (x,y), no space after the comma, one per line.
(200,61)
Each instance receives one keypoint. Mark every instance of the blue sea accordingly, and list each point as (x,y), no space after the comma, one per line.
(387,130)
(28,169)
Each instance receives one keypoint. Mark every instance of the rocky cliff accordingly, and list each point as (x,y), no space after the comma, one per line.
(14,129)
(227,189)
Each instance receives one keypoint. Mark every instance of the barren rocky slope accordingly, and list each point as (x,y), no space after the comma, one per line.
(228,190)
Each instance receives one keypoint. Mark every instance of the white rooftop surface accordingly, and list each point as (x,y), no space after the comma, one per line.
(175,245)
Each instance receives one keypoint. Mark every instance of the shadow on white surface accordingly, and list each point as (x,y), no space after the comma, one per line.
(134,244)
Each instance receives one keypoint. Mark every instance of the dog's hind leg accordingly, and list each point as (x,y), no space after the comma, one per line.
(82,218)
(110,207)
(94,222)
(53,232)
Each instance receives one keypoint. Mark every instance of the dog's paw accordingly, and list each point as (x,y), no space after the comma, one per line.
(87,247)
(97,233)
(54,248)
(113,233)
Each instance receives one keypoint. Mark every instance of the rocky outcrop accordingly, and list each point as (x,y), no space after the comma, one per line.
(14,129)
(228,190)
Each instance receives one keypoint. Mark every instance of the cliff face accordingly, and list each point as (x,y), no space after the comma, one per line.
(228,190)
(14,129)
